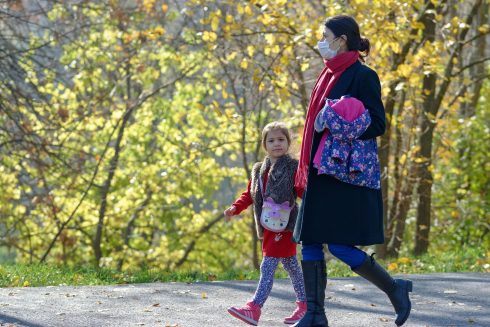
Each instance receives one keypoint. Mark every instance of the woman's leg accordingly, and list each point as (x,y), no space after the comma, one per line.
(291,265)
(312,252)
(365,266)
(348,254)
(315,277)
(267,270)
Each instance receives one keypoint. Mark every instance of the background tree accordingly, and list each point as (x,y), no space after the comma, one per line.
(143,122)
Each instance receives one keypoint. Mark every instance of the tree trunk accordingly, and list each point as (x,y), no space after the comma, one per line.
(424,160)
(97,240)
(384,155)
(384,148)
(431,105)
(400,215)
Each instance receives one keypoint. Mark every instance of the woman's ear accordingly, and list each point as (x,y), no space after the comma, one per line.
(344,38)
(343,43)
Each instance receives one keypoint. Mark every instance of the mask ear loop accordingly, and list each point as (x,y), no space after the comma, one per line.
(342,37)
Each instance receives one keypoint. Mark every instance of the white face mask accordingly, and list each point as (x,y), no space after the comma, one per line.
(325,51)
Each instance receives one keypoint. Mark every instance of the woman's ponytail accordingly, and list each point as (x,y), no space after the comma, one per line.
(364,45)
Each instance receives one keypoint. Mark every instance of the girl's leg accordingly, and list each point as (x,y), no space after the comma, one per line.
(348,254)
(267,269)
(291,265)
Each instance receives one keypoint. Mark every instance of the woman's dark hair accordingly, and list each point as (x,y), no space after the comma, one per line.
(346,25)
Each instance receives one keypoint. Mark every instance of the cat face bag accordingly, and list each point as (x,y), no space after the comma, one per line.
(275,217)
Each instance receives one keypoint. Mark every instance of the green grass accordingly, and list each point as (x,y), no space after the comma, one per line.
(20,275)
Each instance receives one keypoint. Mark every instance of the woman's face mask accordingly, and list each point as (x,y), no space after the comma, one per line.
(325,51)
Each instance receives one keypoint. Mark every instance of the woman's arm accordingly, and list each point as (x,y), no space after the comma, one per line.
(370,95)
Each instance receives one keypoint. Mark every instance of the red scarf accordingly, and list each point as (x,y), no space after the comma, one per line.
(324,84)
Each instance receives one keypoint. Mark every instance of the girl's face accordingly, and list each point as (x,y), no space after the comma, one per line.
(276,144)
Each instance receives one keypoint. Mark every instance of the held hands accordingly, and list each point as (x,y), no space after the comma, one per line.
(230,212)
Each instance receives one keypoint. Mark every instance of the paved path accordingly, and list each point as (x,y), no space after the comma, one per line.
(454,299)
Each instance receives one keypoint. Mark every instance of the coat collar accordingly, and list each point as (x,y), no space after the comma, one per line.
(343,84)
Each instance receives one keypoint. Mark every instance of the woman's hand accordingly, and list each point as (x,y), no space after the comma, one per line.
(230,212)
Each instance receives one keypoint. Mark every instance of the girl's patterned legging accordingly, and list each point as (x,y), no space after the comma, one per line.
(267,269)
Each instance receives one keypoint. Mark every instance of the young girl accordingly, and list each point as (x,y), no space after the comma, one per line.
(271,188)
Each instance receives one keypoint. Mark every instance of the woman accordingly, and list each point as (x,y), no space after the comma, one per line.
(336,212)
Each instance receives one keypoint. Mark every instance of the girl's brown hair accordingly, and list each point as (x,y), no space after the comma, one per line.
(276,126)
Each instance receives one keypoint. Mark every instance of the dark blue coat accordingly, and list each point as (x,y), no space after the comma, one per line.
(333,211)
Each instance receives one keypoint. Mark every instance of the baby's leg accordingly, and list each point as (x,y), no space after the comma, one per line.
(267,270)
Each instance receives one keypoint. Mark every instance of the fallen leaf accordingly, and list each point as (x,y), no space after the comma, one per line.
(181,292)
(373,305)
(383,319)
(204,295)
(450,292)
(156,305)
(471,320)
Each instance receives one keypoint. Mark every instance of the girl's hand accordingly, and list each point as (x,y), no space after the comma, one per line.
(229,213)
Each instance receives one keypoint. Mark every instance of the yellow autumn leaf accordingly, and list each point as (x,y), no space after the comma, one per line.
(404,70)
(209,36)
(250,50)
(239,9)
(148,5)
(215,23)
(248,10)
(392,266)
(231,56)
(159,30)
(483,29)
(404,260)
(270,38)
(244,64)
(403,158)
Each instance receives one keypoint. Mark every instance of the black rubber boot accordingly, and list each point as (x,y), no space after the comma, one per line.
(315,276)
(396,289)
